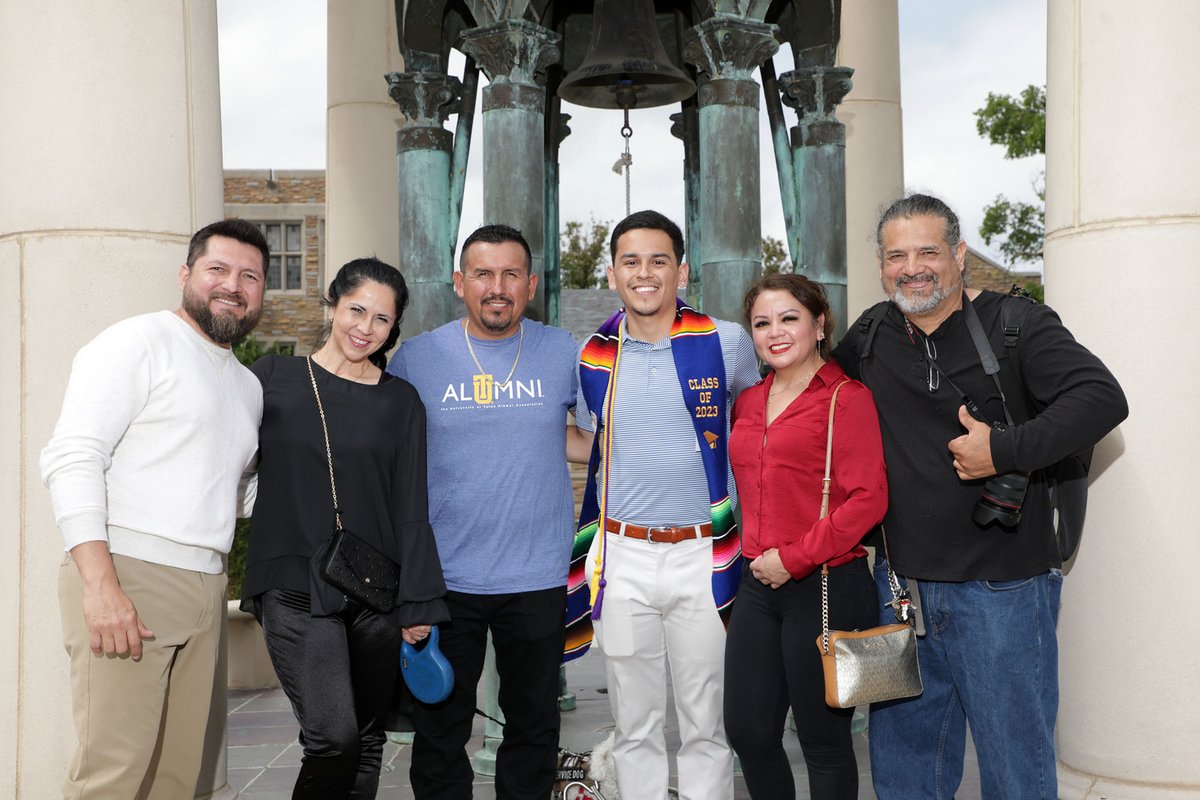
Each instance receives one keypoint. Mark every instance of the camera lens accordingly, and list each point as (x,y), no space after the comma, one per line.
(1001,500)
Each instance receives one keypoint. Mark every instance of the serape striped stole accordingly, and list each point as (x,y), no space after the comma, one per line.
(696,351)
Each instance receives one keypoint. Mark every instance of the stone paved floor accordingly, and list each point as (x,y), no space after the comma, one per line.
(263,755)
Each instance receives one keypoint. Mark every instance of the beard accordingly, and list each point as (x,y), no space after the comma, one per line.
(496,324)
(223,329)
(922,305)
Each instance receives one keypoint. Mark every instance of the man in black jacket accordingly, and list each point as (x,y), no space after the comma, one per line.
(989,581)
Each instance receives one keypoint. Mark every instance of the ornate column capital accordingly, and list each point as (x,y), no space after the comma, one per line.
(730,47)
(512,50)
(425,98)
(815,92)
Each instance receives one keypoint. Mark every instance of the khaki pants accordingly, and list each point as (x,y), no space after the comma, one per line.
(141,725)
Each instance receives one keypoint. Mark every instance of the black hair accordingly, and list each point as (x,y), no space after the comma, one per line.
(496,234)
(232,228)
(920,205)
(353,275)
(807,292)
(652,220)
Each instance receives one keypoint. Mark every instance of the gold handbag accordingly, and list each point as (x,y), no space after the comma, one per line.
(864,666)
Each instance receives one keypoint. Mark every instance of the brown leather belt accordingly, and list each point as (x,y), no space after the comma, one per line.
(659,535)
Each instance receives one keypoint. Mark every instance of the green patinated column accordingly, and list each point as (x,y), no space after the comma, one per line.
(512,54)
(728,50)
(819,158)
(685,127)
(557,129)
(423,166)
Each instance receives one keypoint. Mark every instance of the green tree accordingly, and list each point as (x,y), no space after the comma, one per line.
(775,256)
(1018,124)
(584,254)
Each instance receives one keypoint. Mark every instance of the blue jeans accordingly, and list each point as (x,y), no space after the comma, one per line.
(989,659)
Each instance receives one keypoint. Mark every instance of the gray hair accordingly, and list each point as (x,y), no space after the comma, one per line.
(919,205)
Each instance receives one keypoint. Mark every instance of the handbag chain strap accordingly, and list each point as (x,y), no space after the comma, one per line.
(337,512)
(893,581)
(826,482)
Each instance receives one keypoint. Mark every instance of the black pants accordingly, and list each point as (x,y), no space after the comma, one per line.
(772,662)
(527,633)
(340,673)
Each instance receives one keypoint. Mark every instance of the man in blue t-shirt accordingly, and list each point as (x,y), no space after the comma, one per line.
(497,390)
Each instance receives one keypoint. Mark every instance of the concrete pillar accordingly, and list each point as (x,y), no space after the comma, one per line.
(1122,233)
(110,157)
(511,53)
(423,156)
(728,50)
(874,143)
(362,205)
(819,160)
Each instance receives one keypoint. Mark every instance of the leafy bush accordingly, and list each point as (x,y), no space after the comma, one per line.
(248,350)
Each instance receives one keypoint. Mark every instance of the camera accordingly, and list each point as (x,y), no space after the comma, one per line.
(1001,500)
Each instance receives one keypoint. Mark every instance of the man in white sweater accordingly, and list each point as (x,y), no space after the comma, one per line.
(146,470)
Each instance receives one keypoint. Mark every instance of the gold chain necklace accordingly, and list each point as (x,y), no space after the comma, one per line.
(797,385)
(484,374)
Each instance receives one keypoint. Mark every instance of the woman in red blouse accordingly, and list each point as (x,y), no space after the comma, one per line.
(777,448)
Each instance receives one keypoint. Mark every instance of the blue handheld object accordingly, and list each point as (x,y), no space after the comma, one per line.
(428,674)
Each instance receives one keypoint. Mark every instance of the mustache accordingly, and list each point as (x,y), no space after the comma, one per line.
(234,296)
(903,279)
(496,298)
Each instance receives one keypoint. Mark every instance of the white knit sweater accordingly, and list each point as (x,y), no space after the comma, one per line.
(155,445)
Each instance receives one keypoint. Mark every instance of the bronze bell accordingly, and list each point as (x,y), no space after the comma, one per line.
(626,65)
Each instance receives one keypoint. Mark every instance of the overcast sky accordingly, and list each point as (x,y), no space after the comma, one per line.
(952,53)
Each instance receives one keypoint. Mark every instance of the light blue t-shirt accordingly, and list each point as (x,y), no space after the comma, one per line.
(500,498)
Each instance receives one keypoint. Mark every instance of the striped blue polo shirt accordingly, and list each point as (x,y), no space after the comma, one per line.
(658,473)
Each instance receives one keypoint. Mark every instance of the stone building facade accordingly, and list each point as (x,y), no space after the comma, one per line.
(290,208)
(983,273)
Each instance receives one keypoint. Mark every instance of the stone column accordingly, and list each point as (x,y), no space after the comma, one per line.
(819,159)
(728,50)
(362,213)
(1122,233)
(423,156)
(512,53)
(110,157)
(874,145)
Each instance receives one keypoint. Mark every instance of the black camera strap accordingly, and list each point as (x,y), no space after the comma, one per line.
(991,365)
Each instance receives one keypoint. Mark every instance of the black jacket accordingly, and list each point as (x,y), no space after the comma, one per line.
(930,531)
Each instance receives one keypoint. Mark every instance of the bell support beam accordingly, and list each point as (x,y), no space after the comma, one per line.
(819,160)
(557,129)
(423,164)
(728,50)
(685,127)
(512,53)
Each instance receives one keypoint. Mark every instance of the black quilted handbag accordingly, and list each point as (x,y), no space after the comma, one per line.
(361,572)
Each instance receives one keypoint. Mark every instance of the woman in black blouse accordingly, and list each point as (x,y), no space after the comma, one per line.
(336,659)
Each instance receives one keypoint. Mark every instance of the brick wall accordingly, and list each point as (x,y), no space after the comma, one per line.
(293,316)
(985,274)
(290,186)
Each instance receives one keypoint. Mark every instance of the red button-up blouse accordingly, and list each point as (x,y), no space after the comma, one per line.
(779,469)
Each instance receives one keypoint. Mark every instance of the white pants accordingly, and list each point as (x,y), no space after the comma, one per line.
(658,604)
